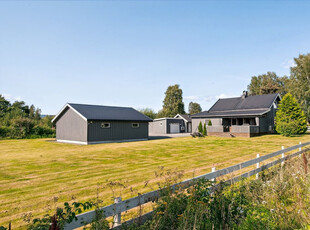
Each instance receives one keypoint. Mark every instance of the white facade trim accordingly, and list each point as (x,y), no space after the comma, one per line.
(72,142)
(117,141)
(63,108)
(99,142)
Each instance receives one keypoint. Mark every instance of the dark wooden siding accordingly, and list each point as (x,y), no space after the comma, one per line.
(179,121)
(266,122)
(71,126)
(119,130)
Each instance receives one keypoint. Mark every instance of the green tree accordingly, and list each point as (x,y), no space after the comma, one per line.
(290,119)
(4,106)
(200,127)
(194,108)
(210,123)
(173,102)
(267,84)
(148,112)
(204,131)
(37,114)
(32,111)
(300,82)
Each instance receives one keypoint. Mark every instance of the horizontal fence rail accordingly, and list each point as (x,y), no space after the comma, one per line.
(117,208)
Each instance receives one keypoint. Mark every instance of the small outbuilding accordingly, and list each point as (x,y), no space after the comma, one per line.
(92,124)
(187,121)
(168,125)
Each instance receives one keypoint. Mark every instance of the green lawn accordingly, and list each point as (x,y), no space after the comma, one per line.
(33,172)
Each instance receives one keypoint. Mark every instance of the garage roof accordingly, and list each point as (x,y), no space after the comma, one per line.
(107,113)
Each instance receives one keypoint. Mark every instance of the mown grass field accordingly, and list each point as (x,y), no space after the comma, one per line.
(35,173)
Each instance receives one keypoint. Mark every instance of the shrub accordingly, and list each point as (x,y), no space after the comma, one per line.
(4,131)
(204,131)
(200,127)
(277,200)
(290,119)
(209,123)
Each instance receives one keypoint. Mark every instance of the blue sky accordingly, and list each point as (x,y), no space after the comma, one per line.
(127,53)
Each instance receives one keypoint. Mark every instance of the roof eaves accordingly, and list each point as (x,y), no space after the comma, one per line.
(181,117)
(210,115)
(63,108)
(277,95)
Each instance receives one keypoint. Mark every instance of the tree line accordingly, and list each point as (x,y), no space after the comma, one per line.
(297,84)
(18,120)
(172,105)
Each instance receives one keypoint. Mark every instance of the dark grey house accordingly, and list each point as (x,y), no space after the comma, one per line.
(91,124)
(244,116)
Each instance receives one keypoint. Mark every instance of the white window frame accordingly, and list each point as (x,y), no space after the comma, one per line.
(135,125)
(103,125)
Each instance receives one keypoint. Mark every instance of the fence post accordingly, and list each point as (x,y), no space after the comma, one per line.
(213,170)
(117,220)
(257,165)
(283,155)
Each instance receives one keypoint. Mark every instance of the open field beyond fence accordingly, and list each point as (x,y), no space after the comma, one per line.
(36,175)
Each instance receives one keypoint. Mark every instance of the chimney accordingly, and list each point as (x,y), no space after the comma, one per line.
(244,94)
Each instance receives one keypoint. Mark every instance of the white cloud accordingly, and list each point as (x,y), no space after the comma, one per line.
(223,95)
(11,97)
(211,98)
(288,63)
(191,97)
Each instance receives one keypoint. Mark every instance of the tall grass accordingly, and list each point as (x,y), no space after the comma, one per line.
(279,199)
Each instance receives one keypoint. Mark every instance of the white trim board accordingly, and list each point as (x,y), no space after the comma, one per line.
(72,142)
(99,142)
(63,108)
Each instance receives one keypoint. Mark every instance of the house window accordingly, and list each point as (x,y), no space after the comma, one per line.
(135,125)
(247,121)
(234,121)
(105,125)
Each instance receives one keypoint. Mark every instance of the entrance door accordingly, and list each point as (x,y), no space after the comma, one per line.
(174,128)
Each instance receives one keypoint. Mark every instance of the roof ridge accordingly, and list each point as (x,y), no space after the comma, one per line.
(112,106)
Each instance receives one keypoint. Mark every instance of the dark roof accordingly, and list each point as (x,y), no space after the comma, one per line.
(186,117)
(100,112)
(239,106)
(232,113)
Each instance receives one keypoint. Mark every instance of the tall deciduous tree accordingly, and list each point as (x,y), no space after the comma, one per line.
(267,84)
(290,119)
(173,102)
(148,112)
(4,105)
(194,107)
(300,82)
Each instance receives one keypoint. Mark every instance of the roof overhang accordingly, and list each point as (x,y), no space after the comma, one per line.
(63,109)
(233,114)
(180,115)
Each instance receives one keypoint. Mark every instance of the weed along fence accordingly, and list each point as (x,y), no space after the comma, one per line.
(115,210)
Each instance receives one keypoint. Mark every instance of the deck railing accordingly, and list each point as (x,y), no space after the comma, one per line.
(115,210)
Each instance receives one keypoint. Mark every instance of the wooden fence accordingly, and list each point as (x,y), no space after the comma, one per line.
(120,205)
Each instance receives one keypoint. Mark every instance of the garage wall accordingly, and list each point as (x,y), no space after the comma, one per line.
(158,127)
(162,126)
(71,127)
(175,121)
(119,130)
